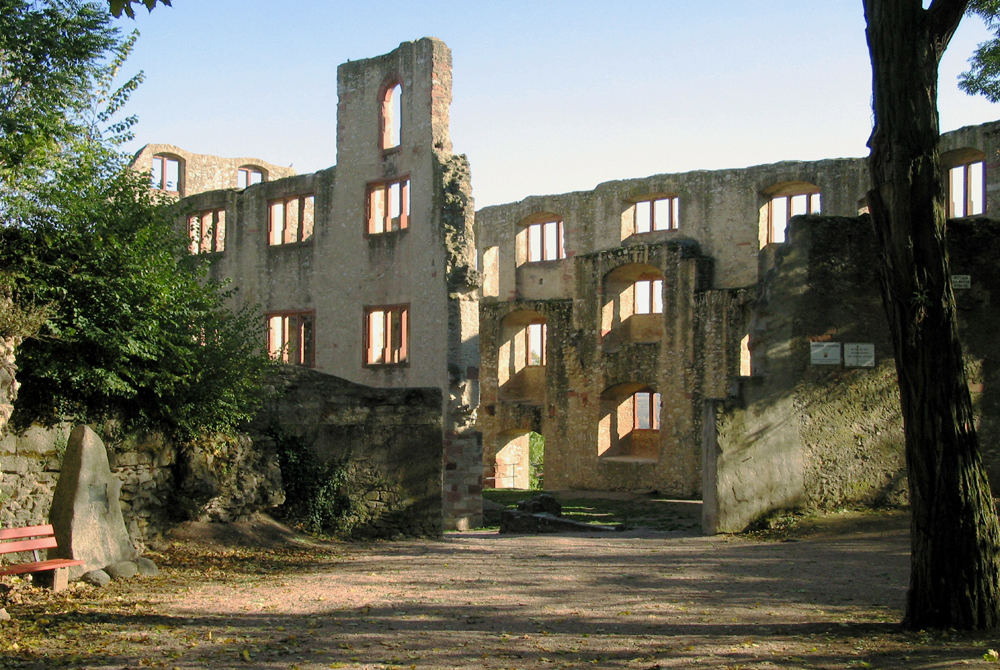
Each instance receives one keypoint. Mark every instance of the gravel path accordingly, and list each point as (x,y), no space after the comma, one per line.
(482,600)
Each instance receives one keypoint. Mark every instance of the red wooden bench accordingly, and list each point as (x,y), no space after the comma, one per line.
(34,538)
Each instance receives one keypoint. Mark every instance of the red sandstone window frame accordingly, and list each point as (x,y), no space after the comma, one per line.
(388,206)
(970,180)
(248,175)
(291,336)
(304,213)
(207,231)
(652,302)
(535,343)
(790,205)
(647,418)
(386,335)
(655,214)
(545,241)
(162,165)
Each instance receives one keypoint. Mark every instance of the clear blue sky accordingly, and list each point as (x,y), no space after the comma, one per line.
(549,95)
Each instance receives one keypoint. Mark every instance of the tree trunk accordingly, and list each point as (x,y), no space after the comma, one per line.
(954,534)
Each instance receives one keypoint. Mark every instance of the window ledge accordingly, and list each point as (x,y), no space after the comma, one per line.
(286,245)
(552,262)
(386,234)
(626,459)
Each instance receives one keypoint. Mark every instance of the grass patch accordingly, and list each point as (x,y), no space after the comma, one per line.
(633,510)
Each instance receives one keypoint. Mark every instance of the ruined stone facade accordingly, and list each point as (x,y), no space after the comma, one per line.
(366,270)
(611,319)
(636,327)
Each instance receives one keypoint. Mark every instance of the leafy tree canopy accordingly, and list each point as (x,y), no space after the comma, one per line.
(983,77)
(133,331)
(119,6)
(50,56)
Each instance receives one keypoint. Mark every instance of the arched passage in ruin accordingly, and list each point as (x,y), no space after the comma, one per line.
(518,463)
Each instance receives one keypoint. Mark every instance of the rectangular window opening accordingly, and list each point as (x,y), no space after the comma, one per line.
(388,207)
(207,231)
(535,333)
(545,241)
(656,214)
(646,410)
(386,335)
(290,219)
(291,337)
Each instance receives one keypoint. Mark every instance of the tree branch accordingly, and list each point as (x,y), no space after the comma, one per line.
(943,17)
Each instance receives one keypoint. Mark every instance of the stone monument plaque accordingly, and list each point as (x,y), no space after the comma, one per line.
(859,354)
(824,353)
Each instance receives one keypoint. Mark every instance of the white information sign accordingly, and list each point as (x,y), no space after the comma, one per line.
(824,353)
(961,281)
(859,354)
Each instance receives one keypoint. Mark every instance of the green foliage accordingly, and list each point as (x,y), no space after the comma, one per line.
(134,334)
(119,6)
(131,330)
(983,77)
(18,321)
(51,55)
(329,498)
(536,462)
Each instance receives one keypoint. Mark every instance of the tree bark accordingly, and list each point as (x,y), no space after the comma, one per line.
(955,564)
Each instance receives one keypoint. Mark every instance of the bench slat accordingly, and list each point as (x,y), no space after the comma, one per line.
(29,531)
(40,566)
(28,545)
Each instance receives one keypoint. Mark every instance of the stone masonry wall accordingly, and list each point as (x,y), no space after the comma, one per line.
(29,470)
(824,436)
(393,436)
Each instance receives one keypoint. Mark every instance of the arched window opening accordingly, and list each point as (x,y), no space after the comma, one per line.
(523,357)
(632,308)
(966,182)
(787,200)
(248,175)
(166,173)
(629,427)
(392,116)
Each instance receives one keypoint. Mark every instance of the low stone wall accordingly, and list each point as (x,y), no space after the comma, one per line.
(387,442)
(218,480)
(29,470)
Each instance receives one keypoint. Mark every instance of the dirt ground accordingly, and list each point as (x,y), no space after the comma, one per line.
(255,596)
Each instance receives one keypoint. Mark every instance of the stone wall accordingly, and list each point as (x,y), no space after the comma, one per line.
(204,172)
(29,470)
(389,438)
(724,215)
(822,436)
